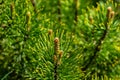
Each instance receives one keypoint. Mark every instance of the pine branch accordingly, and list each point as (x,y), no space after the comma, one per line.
(57,57)
(56,49)
(110,15)
(96,50)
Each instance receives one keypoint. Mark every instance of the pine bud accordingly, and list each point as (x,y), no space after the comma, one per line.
(3,25)
(91,19)
(109,9)
(33,3)
(56,47)
(112,14)
(55,58)
(60,53)
(50,32)
(28,17)
(12,7)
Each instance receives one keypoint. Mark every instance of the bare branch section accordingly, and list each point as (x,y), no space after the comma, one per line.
(59,11)
(110,15)
(76,11)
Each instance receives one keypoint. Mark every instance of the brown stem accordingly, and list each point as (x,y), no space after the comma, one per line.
(56,49)
(59,11)
(76,11)
(55,71)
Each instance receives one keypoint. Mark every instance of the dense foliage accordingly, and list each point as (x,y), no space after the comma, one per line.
(59,40)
